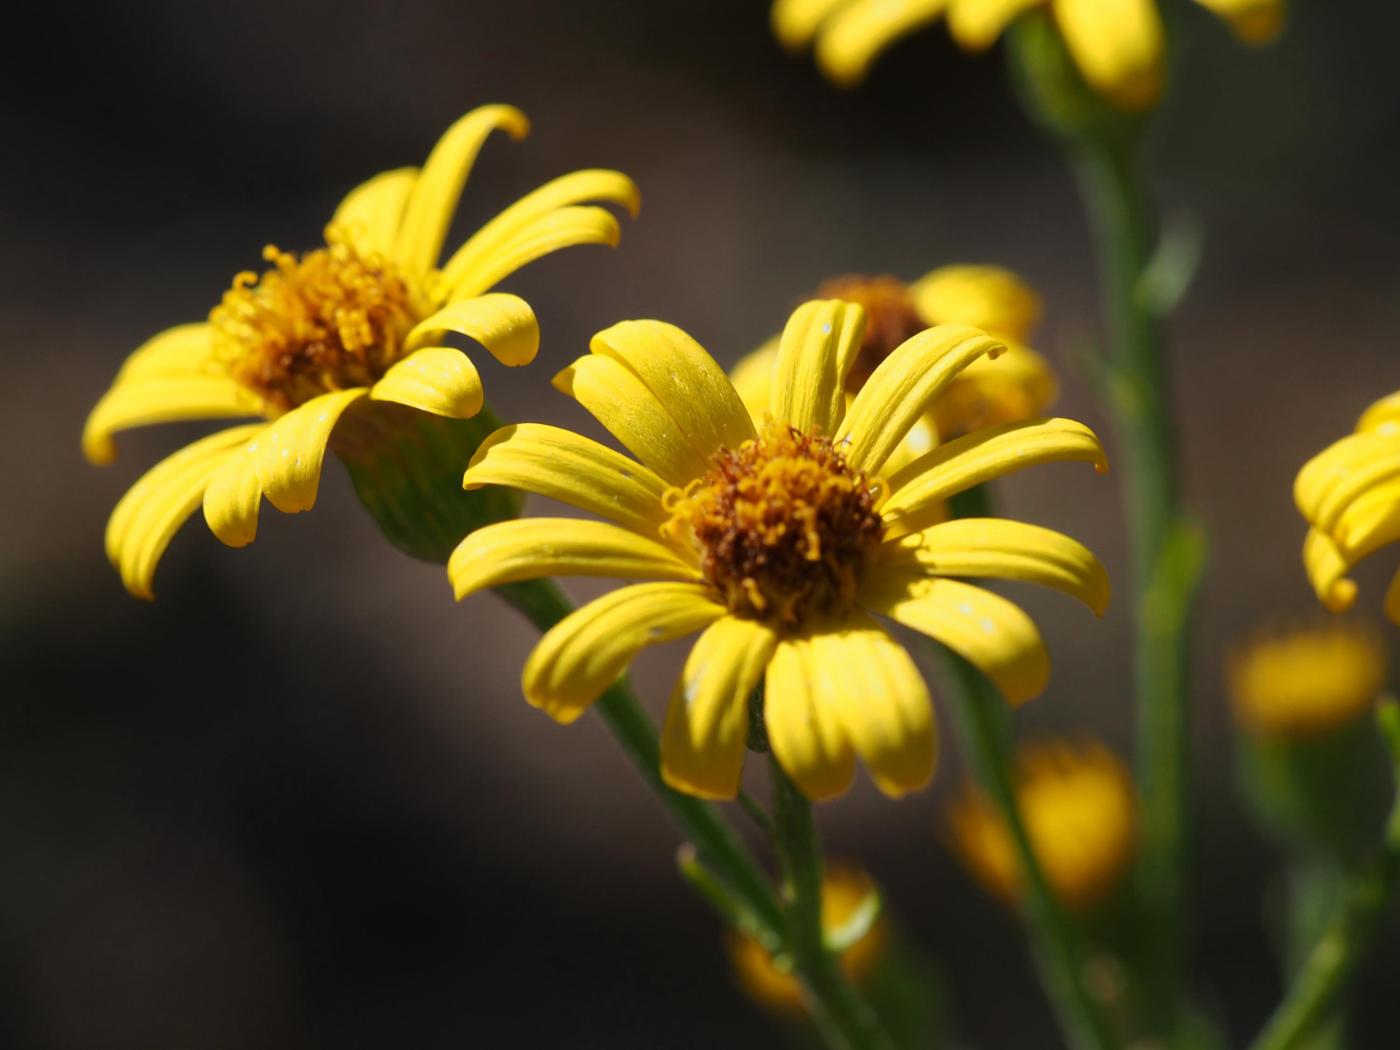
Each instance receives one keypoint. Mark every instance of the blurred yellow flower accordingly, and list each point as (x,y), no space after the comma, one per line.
(1308,681)
(1080,811)
(313,344)
(1118,45)
(1016,386)
(777,540)
(849,898)
(1349,495)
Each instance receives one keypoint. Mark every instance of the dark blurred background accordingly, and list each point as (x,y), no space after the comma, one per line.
(299,801)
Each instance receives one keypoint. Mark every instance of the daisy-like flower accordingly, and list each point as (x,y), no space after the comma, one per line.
(1118,45)
(1081,815)
(1350,496)
(850,902)
(777,542)
(1307,682)
(1017,385)
(321,345)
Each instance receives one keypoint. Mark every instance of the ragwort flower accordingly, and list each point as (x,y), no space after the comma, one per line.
(1118,45)
(1350,496)
(777,541)
(320,342)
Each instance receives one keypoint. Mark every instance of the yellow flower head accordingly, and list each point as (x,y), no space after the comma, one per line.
(848,896)
(1306,682)
(1349,494)
(1081,815)
(317,344)
(777,541)
(1118,45)
(1017,385)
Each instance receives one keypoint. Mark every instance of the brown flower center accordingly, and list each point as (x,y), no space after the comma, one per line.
(890,318)
(784,526)
(327,320)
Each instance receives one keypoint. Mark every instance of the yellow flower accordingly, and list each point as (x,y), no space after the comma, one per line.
(1015,386)
(1118,45)
(320,343)
(1350,496)
(848,896)
(777,541)
(1080,811)
(1309,681)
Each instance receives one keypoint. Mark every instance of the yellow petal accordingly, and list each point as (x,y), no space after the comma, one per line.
(621,402)
(147,517)
(795,22)
(1327,571)
(998,548)
(233,497)
(529,548)
(370,213)
(1118,46)
(436,379)
(868,680)
(903,387)
(987,297)
(707,722)
(561,465)
(504,324)
(1253,21)
(988,631)
(819,344)
(589,649)
(918,490)
(291,450)
(685,380)
(1383,416)
(753,379)
(563,228)
(1332,481)
(576,187)
(146,398)
(1018,385)
(186,349)
(975,25)
(853,38)
(806,737)
(433,198)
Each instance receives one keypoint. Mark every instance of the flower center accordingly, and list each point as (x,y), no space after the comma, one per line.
(890,318)
(327,320)
(784,526)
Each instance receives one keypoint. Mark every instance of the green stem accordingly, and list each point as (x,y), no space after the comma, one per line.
(544,605)
(977,711)
(840,1013)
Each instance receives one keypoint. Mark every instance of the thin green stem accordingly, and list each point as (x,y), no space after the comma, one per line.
(977,711)
(840,1013)
(544,605)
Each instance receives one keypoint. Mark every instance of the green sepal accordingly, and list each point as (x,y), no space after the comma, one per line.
(407,469)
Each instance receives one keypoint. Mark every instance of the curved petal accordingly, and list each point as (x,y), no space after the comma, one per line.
(147,517)
(576,187)
(371,212)
(562,228)
(819,344)
(562,465)
(795,22)
(1018,385)
(991,298)
(615,397)
(1327,572)
(707,722)
(144,399)
(1253,21)
(852,39)
(753,379)
(997,548)
(1118,46)
(903,388)
(233,497)
(436,379)
(433,197)
(805,735)
(976,24)
(529,548)
(1335,479)
(880,700)
(292,449)
(988,631)
(186,349)
(918,490)
(589,649)
(683,378)
(1383,416)
(504,324)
